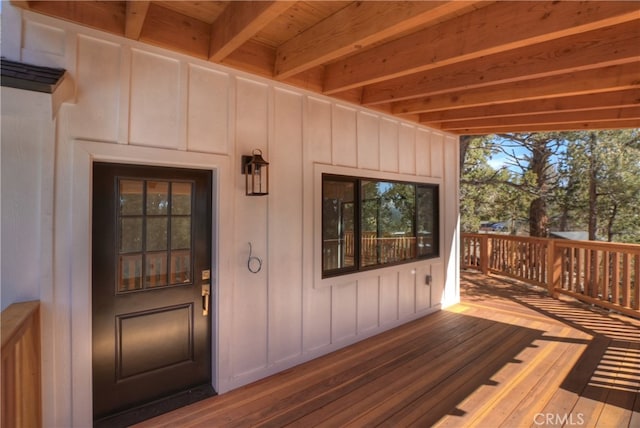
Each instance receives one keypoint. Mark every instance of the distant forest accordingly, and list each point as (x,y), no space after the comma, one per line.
(535,183)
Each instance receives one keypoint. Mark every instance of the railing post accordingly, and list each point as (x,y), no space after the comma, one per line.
(484,254)
(21,389)
(554,266)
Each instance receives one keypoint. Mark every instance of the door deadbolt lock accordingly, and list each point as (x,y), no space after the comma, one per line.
(206,291)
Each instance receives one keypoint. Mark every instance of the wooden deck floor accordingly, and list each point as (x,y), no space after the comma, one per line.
(507,356)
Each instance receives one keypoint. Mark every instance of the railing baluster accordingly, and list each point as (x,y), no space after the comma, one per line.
(588,288)
(615,275)
(606,289)
(636,283)
(580,284)
(571,270)
(543,258)
(596,276)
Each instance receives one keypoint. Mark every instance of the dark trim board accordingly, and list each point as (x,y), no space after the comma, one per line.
(156,408)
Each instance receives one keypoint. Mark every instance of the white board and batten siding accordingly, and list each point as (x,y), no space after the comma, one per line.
(135,103)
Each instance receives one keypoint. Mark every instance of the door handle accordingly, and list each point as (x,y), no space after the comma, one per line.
(206,290)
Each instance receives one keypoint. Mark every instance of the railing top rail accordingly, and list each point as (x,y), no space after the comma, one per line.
(14,319)
(599,245)
(565,243)
(506,237)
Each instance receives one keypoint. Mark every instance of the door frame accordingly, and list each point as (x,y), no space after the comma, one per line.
(78,246)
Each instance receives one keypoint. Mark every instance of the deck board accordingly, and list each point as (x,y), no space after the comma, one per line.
(505,355)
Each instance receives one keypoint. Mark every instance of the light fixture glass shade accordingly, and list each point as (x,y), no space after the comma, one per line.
(256,171)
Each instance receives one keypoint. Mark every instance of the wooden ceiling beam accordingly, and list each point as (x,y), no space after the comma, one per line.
(508,63)
(357,26)
(172,30)
(512,25)
(23,4)
(252,57)
(606,46)
(136,13)
(591,116)
(625,98)
(239,22)
(612,78)
(107,16)
(614,124)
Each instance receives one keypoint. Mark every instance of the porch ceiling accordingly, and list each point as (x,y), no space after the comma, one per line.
(466,67)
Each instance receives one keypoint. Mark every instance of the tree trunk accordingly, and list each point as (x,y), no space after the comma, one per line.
(612,219)
(564,219)
(593,189)
(465,140)
(538,220)
(593,209)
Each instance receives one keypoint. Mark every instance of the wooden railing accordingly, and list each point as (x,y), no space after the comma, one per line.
(601,273)
(21,392)
(373,250)
(386,250)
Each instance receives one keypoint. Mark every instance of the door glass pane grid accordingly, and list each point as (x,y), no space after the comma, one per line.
(180,268)
(154,234)
(130,272)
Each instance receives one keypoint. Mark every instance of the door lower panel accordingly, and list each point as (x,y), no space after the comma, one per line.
(153,340)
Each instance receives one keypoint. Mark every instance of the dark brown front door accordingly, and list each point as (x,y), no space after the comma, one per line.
(150,284)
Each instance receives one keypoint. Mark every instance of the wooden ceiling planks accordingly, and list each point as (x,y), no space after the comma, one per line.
(461,66)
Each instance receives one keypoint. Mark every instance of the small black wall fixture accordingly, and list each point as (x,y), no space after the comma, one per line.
(256,171)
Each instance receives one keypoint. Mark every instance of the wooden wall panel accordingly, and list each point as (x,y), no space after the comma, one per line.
(368,141)
(98,84)
(407,149)
(389,145)
(285,228)
(423,153)
(368,308)
(317,318)
(208,111)
(250,307)
(317,130)
(388,298)
(44,44)
(344,144)
(343,312)
(423,291)
(406,293)
(317,148)
(27,156)
(437,150)
(437,287)
(155,101)
(450,194)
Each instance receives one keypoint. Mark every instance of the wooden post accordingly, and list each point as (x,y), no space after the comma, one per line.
(21,360)
(484,254)
(554,264)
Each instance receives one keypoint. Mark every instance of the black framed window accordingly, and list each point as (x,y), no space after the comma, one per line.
(369,223)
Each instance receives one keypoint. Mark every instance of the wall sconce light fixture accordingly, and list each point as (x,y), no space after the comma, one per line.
(256,171)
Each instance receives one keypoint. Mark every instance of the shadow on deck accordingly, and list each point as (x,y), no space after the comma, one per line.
(506,355)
